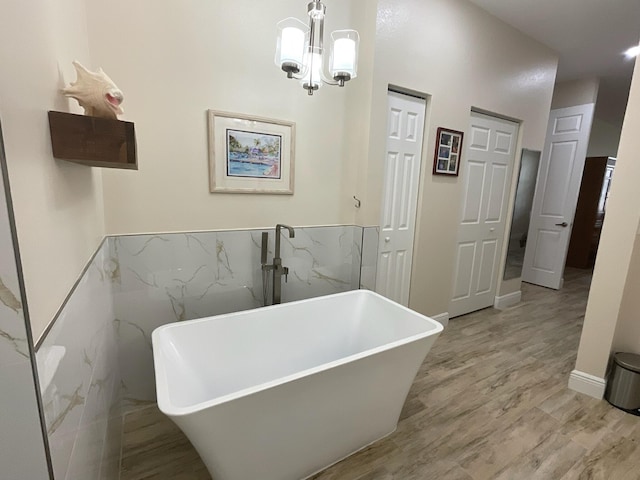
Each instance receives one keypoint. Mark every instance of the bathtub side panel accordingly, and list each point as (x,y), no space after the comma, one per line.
(298,428)
(203,360)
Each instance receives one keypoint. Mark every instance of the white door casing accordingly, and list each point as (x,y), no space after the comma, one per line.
(488,169)
(556,197)
(405,127)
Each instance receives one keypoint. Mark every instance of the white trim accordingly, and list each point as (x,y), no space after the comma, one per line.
(442,318)
(508,300)
(587,384)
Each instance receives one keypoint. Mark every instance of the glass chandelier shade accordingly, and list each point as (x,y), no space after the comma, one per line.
(300,51)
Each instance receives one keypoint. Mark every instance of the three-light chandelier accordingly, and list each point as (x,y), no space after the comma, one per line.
(300,51)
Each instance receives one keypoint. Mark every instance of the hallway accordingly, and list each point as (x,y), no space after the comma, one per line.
(490,401)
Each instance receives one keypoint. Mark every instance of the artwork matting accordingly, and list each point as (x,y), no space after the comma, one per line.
(249,154)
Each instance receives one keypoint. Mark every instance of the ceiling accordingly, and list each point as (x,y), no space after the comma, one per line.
(589,35)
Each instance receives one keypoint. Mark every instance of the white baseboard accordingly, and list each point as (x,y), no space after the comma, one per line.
(508,300)
(587,384)
(442,318)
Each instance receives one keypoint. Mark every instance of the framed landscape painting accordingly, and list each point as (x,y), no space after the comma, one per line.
(446,160)
(250,154)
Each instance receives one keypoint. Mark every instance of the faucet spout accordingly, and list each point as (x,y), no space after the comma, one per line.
(279,226)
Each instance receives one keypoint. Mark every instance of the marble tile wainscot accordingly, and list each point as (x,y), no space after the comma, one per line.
(369,260)
(80,379)
(164,278)
(95,362)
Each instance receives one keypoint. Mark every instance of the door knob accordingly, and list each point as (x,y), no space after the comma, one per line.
(563,224)
(387,239)
(492,229)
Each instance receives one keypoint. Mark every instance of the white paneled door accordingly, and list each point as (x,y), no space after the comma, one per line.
(556,197)
(405,127)
(490,156)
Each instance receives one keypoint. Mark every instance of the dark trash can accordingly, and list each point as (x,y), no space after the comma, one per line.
(623,387)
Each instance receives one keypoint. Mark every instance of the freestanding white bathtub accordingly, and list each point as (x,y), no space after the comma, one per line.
(282,392)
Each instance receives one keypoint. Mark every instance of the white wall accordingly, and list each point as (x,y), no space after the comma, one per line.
(355,177)
(463,57)
(176,60)
(627,333)
(58,205)
(608,307)
(604,138)
(575,92)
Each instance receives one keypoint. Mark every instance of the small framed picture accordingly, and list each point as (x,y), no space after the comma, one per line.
(250,154)
(446,160)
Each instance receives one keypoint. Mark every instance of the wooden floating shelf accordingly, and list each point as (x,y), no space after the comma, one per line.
(93,141)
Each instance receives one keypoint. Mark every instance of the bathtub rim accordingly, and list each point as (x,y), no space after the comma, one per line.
(162,388)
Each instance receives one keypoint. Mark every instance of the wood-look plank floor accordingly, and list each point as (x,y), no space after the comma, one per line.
(489,402)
